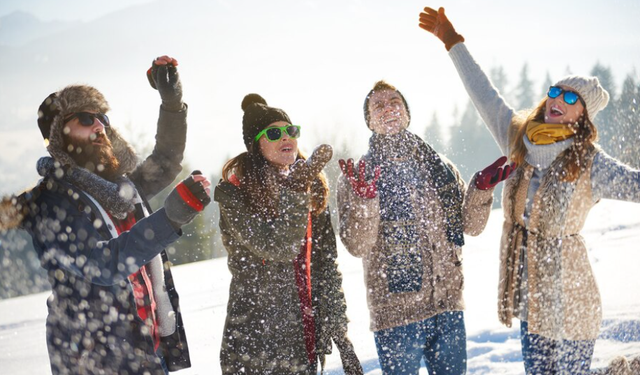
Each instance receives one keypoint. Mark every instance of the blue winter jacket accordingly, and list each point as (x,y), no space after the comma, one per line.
(93,325)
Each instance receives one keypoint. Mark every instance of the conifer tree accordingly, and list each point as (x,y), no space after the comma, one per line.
(524,91)
(605,122)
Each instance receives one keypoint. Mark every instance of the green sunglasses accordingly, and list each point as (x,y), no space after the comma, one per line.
(275,133)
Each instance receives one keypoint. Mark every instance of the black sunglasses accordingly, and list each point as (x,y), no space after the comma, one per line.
(570,97)
(87,119)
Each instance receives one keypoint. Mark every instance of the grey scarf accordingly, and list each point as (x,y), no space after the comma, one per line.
(116,197)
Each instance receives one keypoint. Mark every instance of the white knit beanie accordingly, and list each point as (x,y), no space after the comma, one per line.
(590,90)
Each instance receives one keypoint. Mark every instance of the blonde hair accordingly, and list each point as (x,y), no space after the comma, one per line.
(573,163)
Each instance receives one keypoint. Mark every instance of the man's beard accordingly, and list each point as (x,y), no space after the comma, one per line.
(98,159)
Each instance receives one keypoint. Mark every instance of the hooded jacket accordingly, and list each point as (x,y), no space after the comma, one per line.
(93,325)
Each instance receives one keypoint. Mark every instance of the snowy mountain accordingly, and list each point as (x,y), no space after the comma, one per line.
(19,28)
(316,59)
(610,233)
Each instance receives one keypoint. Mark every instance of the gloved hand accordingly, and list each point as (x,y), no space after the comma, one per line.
(187,199)
(438,24)
(163,76)
(360,186)
(493,174)
(350,362)
(303,172)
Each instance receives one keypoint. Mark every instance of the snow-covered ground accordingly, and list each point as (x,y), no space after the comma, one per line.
(610,233)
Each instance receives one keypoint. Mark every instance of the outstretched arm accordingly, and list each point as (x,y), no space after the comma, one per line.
(612,179)
(164,164)
(78,243)
(78,247)
(494,110)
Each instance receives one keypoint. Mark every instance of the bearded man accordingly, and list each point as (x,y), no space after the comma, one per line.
(113,308)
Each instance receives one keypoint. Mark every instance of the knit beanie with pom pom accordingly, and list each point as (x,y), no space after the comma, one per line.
(257,116)
(591,91)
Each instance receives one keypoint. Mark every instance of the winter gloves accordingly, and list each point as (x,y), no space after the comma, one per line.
(337,332)
(187,199)
(163,76)
(304,172)
(438,24)
(360,186)
(350,362)
(493,174)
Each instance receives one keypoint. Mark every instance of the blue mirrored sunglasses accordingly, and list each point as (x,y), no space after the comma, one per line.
(570,97)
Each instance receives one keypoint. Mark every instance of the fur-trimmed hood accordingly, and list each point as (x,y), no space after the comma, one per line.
(79,98)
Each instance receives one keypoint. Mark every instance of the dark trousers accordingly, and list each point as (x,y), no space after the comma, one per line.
(544,356)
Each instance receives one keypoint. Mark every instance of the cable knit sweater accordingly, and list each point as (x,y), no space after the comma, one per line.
(362,233)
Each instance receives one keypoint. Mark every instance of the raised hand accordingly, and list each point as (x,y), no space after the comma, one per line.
(439,25)
(163,76)
(360,186)
(303,172)
(188,198)
(493,174)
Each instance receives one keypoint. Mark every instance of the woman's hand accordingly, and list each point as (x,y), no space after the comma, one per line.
(439,25)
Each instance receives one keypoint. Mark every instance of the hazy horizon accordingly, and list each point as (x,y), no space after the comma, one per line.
(316,60)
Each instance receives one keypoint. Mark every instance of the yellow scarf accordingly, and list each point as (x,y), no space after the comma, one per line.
(545,134)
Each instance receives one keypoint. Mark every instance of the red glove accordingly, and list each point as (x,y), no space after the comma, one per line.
(360,185)
(493,174)
(439,25)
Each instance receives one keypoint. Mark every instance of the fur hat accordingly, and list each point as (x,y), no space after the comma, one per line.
(257,116)
(590,90)
(79,98)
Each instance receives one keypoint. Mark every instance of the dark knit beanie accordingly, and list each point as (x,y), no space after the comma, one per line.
(257,116)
